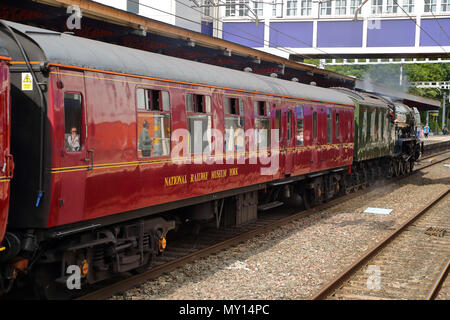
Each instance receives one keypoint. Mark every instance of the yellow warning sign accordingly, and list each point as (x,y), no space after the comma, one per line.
(27,81)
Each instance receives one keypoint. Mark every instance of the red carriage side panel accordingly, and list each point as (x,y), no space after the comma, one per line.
(111,171)
(6,163)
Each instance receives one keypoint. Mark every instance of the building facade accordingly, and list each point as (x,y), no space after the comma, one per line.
(181,13)
(315,28)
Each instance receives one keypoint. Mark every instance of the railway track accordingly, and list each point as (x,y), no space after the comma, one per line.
(404,265)
(213,240)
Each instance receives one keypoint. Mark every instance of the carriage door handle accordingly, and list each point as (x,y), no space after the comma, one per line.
(90,159)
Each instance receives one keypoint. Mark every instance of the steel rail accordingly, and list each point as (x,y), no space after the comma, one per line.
(434,291)
(344,276)
(133,281)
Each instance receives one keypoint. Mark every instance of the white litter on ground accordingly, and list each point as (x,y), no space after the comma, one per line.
(447,165)
(238,265)
(378,211)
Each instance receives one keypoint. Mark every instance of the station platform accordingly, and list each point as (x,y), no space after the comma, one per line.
(435,139)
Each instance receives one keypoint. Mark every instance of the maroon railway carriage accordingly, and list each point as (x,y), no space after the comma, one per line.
(6,163)
(135,143)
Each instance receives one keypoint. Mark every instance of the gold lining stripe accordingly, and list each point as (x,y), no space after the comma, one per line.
(222,156)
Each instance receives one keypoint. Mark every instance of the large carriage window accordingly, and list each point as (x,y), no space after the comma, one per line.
(198,109)
(300,128)
(73,120)
(234,125)
(153,123)
(329,126)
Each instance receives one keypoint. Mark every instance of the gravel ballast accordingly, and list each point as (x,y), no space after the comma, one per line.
(294,261)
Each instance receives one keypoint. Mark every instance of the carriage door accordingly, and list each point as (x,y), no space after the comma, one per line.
(289,144)
(6,162)
(75,158)
(322,136)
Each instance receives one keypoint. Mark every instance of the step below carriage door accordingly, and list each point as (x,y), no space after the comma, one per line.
(75,158)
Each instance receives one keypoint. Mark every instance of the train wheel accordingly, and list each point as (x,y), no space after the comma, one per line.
(396,168)
(407,168)
(411,166)
(402,167)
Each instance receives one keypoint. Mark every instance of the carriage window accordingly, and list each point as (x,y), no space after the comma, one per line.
(262,133)
(278,125)
(337,125)
(386,128)
(152,100)
(153,123)
(379,131)
(364,126)
(165,101)
(314,125)
(234,125)
(329,126)
(300,119)
(73,121)
(199,127)
(373,129)
(199,123)
(198,103)
(234,106)
(234,134)
(262,108)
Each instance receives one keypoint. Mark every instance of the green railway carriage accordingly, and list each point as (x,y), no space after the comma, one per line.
(374,139)
(374,126)
(374,130)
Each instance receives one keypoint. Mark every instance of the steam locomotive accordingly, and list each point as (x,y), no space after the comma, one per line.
(114,148)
